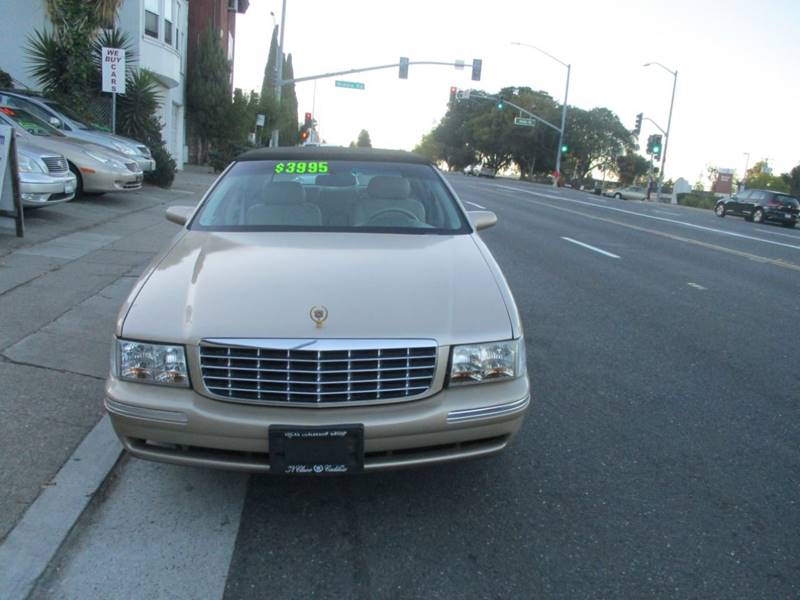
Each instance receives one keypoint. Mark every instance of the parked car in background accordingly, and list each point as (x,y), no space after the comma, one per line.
(761,206)
(97,169)
(631,192)
(73,126)
(468,170)
(483,171)
(44,176)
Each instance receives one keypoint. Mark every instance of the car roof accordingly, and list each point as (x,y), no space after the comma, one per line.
(333,153)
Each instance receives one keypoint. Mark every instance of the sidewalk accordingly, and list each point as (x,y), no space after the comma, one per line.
(60,289)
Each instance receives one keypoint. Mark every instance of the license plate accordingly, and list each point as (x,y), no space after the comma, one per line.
(325,450)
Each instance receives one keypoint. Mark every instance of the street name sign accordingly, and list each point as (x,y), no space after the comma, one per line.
(113,61)
(353,85)
(524,121)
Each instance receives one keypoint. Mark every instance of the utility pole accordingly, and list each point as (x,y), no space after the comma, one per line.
(274,140)
(561,133)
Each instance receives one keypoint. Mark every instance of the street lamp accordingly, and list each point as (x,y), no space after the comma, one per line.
(563,109)
(669,122)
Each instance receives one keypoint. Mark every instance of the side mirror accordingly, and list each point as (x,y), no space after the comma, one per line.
(179,214)
(482,219)
(55,122)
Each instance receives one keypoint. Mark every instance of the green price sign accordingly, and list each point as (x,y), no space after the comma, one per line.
(302,167)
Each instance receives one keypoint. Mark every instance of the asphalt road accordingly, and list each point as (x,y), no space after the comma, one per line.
(660,457)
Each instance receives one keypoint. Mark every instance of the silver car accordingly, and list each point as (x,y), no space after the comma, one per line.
(44,176)
(631,192)
(97,169)
(72,125)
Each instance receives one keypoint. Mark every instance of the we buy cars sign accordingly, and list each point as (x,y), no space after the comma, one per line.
(113,60)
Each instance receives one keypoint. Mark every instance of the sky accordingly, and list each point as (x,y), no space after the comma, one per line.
(738,64)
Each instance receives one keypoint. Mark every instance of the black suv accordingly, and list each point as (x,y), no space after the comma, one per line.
(761,206)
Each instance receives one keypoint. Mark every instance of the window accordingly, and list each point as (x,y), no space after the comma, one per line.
(177,20)
(168,22)
(151,12)
(331,195)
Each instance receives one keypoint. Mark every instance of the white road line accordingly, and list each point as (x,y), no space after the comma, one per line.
(664,219)
(664,212)
(475,205)
(696,286)
(587,246)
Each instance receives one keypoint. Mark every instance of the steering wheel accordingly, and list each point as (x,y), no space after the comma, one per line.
(400,211)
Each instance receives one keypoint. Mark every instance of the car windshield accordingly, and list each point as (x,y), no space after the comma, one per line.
(69,113)
(22,119)
(335,195)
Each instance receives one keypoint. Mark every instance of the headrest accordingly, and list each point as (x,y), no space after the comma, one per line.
(338,180)
(389,187)
(284,192)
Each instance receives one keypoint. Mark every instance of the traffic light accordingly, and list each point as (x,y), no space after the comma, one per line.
(477,65)
(304,135)
(453,92)
(638,129)
(403,67)
(650,142)
(309,122)
(657,147)
(564,149)
(501,103)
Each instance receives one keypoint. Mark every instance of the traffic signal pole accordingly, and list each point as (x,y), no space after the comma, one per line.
(561,132)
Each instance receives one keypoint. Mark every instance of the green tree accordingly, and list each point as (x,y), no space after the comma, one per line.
(5,80)
(629,167)
(595,139)
(363,140)
(533,148)
(61,57)
(793,180)
(289,129)
(208,96)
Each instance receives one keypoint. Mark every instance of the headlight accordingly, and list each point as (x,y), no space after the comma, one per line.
(123,148)
(152,363)
(106,160)
(28,164)
(493,361)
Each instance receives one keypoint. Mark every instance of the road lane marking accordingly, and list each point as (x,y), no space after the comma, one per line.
(664,219)
(696,286)
(587,246)
(664,212)
(475,205)
(754,257)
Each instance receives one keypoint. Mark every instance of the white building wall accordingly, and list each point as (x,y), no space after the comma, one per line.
(18,20)
(167,60)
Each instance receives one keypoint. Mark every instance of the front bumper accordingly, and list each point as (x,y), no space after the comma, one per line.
(43,189)
(145,164)
(183,427)
(103,179)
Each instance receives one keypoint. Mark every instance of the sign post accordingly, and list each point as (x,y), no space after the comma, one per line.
(10,199)
(113,61)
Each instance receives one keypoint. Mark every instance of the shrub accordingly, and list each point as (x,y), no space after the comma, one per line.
(223,154)
(164,173)
(698,200)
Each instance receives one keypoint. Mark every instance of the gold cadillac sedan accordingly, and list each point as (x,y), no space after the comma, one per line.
(321,311)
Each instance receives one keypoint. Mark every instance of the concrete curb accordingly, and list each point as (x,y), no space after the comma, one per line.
(34,541)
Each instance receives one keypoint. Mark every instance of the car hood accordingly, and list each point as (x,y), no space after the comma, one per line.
(74,149)
(263,285)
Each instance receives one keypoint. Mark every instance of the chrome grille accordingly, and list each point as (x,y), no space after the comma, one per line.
(318,371)
(55,164)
